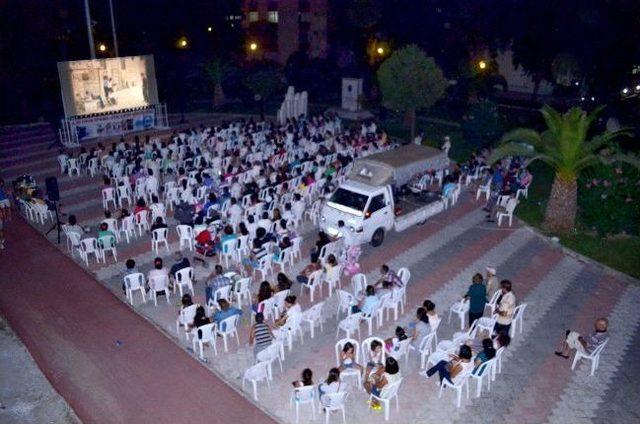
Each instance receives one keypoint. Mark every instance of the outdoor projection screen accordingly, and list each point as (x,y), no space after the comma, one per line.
(107,85)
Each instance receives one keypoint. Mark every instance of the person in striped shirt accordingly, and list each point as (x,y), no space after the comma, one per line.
(260,336)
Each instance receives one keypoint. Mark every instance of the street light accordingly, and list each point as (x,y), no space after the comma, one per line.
(625,90)
(182,42)
(482,64)
(380,50)
(253,46)
(209,29)
(102,47)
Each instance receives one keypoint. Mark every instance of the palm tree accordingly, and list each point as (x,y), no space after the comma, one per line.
(564,146)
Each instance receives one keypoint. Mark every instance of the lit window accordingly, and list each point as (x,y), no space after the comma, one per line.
(273,17)
(253,16)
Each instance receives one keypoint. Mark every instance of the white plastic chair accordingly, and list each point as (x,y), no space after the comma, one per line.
(270,354)
(594,357)
(484,189)
(242,291)
(334,281)
(185,233)
(292,327)
(484,370)
(112,225)
(255,374)
(486,323)
(517,321)
(403,350)
(463,382)
(108,195)
(377,313)
(89,246)
(264,266)
(228,251)
(391,393)
(134,282)
(142,221)
(107,244)
(358,284)
(73,166)
(491,304)
(395,302)
(345,302)
(508,213)
(313,316)
(350,324)
(184,280)
(202,335)
(296,248)
(315,281)
(128,227)
(334,402)
(228,327)
(185,318)
(460,308)
(424,349)
(284,258)
(158,284)
(159,235)
(305,395)
(124,193)
(349,372)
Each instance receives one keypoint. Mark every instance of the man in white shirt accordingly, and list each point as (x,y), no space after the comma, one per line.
(235,211)
(298,206)
(504,308)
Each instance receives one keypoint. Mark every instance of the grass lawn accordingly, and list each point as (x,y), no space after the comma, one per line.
(622,254)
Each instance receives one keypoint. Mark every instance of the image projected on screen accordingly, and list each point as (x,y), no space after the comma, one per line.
(107,85)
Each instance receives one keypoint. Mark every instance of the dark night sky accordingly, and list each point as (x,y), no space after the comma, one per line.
(603,35)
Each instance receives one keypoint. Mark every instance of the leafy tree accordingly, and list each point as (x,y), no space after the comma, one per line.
(217,72)
(264,83)
(409,80)
(482,125)
(566,147)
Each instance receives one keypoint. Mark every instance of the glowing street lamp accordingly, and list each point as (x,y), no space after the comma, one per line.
(482,64)
(102,47)
(625,90)
(209,29)
(380,50)
(182,43)
(253,46)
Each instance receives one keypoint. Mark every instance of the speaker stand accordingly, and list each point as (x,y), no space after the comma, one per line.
(55,226)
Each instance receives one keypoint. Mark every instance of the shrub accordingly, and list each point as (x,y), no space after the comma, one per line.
(608,199)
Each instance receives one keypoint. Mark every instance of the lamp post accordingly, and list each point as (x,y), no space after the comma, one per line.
(92,48)
(113,29)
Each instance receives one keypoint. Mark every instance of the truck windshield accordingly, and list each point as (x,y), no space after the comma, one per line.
(349,199)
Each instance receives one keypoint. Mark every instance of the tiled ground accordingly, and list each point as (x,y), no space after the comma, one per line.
(534,387)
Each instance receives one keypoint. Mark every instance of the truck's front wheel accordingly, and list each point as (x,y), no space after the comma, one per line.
(377,238)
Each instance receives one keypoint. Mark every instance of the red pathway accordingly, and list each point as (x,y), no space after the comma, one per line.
(70,324)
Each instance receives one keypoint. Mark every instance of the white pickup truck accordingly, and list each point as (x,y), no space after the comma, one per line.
(366,204)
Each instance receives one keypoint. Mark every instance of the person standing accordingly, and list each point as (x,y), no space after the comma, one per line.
(477,295)
(505,307)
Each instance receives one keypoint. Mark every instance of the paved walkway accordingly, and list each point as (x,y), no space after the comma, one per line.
(71,325)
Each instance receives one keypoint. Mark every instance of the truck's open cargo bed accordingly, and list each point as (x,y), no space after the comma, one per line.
(397,166)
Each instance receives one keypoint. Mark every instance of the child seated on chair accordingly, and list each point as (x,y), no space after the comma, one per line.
(381,379)
(305,380)
(375,358)
(347,358)
(392,344)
